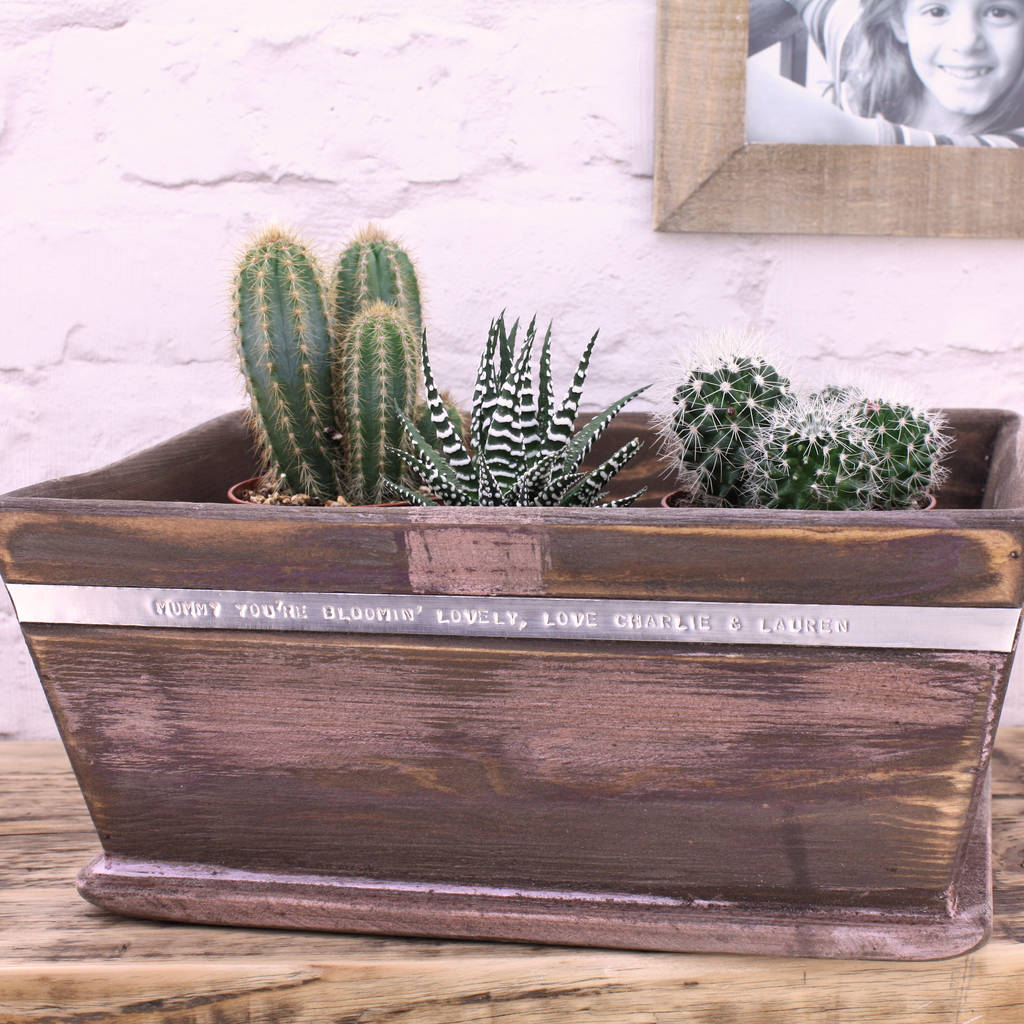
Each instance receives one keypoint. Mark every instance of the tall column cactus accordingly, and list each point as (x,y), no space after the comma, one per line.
(376,364)
(373,268)
(284,349)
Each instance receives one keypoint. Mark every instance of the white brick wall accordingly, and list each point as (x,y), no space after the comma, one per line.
(508,143)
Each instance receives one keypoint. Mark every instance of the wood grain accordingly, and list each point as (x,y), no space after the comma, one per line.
(63,960)
(829,781)
(961,554)
(956,558)
(708,178)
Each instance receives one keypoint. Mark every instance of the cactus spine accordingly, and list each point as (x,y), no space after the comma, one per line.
(373,268)
(376,365)
(283,345)
(737,435)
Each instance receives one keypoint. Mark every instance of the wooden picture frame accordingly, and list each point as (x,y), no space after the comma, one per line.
(708,178)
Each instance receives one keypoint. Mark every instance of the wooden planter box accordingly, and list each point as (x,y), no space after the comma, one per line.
(647,728)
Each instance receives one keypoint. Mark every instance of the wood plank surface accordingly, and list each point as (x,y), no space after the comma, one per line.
(948,558)
(63,960)
(508,763)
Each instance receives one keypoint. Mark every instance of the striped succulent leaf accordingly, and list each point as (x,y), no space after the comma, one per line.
(579,446)
(488,380)
(432,468)
(589,488)
(561,424)
(545,391)
(504,450)
(449,436)
(522,452)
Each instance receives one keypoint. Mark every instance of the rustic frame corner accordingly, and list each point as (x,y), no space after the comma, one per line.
(708,178)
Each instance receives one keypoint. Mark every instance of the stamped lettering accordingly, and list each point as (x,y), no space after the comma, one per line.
(186,609)
(541,618)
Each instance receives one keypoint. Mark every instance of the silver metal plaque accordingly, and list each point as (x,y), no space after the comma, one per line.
(676,622)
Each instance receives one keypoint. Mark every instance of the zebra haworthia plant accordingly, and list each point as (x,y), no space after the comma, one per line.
(522,447)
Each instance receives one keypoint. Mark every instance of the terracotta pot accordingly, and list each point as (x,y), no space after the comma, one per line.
(252,482)
(237,489)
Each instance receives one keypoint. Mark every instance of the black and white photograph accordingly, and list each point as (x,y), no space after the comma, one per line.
(887,72)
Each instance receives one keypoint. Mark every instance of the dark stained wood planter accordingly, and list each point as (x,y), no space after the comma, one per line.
(768,796)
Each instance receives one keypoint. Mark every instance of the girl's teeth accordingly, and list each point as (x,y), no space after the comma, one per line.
(966,73)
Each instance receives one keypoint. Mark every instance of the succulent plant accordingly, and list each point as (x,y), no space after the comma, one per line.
(324,389)
(718,401)
(425,424)
(375,363)
(373,268)
(812,454)
(909,445)
(284,347)
(523,449)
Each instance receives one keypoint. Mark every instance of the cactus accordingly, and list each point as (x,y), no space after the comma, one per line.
(373,268)
(283,345)
(524,449)
(375,366)
(812,454)
(717,403)
(909,445)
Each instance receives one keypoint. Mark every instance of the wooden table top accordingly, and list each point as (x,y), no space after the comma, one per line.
(63,960)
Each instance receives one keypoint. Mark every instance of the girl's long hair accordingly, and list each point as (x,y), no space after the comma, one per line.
(879,77)
(880,80)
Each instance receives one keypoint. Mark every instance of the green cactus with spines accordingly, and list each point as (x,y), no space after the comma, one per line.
(373,268)
(812,454)
(284,345)
(375,363)
(717,403)
(523,449)
(909,444)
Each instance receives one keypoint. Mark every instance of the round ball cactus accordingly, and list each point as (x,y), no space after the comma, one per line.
(717,404)
(813,455)
(909,445)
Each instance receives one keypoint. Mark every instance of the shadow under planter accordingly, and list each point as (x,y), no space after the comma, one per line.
(676,729)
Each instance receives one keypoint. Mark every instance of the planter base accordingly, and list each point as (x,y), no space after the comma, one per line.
(206,895)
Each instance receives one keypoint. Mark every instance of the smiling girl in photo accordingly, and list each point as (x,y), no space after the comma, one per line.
(909,72)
